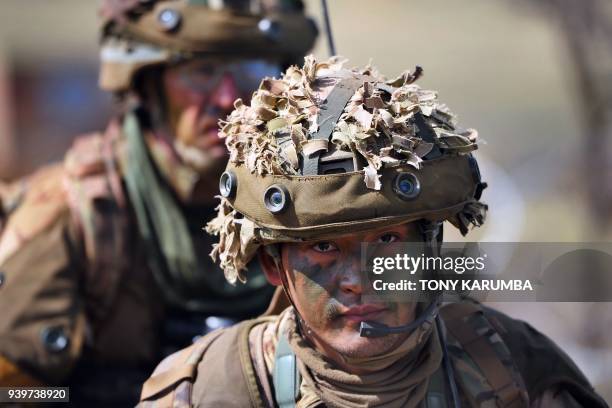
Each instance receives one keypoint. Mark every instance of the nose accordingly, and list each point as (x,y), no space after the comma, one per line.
(225,94)
(350,281)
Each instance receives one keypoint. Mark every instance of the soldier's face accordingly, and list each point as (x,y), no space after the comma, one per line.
(326,286)
(202,91)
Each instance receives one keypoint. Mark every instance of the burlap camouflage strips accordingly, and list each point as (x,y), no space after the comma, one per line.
(378,123)
(385,124)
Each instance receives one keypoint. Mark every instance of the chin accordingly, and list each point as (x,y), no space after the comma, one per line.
(349,343)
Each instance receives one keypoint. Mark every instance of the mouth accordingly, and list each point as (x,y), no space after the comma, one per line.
(364,313)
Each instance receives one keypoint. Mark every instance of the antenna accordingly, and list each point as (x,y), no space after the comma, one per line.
(330,38)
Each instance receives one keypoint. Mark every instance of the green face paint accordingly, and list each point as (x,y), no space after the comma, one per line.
(314,286)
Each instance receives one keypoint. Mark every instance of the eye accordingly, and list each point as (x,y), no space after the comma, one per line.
(324,247)
(388,238)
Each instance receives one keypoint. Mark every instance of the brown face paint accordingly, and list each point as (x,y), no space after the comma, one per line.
(313,285)
(318,286)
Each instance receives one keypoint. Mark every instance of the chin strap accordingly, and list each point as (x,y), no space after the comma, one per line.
(274,253)
(432,235)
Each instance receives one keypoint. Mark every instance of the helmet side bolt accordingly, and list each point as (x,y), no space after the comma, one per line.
(276,198)
(228,184)
(407,186)
(169,19)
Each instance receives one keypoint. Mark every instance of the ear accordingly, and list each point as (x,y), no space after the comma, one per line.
(271,271)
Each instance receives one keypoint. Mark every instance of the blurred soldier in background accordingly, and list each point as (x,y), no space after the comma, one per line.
(103,266)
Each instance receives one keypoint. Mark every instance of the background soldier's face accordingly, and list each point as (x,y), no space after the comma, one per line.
(200,92)
(325,283)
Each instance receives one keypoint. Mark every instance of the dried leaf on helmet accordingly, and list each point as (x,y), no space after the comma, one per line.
(372,178)
(379,115)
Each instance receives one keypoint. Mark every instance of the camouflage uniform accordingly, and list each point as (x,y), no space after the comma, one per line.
(326,152)
(85,299)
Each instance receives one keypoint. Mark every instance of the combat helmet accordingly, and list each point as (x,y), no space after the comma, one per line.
(327,150)
(142,33)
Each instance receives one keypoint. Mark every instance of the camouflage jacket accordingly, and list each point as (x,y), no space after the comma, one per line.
(77,294)
(498,362)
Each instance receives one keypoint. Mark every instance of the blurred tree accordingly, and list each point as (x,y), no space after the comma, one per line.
(586,29)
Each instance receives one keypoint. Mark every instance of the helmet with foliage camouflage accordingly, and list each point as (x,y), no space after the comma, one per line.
(328,150)
(143,33)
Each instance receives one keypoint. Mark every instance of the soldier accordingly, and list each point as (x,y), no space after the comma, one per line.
(99,277)
(321,161)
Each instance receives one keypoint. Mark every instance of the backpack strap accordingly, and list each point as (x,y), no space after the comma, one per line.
(437,394)
(467,324)
(98,207)
(286,376)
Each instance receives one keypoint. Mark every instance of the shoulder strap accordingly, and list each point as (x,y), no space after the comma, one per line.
(436,396)
(174,377)
(479,339)
(287,378)
(95,196)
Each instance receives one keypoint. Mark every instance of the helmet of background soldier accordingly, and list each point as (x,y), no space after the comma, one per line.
(136,34)
(327,150)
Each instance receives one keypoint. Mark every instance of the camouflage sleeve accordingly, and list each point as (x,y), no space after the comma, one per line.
(202,374)
(42,324)
(172,380)
(549,373)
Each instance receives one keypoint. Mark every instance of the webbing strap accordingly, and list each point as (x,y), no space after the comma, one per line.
(328,117)
(426,133)
(482,352)
(286,374)
(436,390)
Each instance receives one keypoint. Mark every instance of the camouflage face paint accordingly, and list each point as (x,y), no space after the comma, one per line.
(314,287)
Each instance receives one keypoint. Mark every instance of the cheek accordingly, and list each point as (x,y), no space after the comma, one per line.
(313,293)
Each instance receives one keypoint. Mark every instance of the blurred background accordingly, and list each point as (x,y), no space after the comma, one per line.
(534,77)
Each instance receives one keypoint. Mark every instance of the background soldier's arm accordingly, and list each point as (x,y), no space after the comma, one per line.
(42,321)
